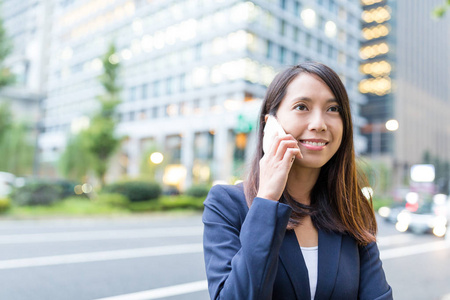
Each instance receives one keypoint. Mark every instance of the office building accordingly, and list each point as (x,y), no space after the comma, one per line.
(194,73)
(28,26)
(406,53)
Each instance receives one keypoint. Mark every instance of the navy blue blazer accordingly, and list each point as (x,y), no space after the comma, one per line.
(249,254)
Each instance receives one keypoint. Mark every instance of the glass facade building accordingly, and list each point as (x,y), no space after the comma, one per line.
(406,57)
(193,73)
(378,65)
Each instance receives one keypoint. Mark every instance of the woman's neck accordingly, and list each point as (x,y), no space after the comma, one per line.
(300,183)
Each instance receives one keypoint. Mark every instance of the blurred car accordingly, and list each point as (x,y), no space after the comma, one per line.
(390,214)
(428,217)
(422,223)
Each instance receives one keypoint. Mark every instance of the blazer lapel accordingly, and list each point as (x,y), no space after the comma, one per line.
(294,263)
(329,254)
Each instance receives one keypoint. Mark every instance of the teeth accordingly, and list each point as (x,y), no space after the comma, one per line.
(314,143)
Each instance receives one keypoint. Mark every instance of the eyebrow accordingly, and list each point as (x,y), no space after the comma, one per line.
(310,100)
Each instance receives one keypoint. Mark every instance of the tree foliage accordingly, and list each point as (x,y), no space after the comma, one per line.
(16,150)
(100,139)
(5,120)
(439,12)
(75,162)
(6,77)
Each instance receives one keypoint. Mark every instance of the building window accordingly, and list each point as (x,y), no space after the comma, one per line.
(182,82)
(321,22)
(173,149)
(297,8)
(154,112)
(169,87)
(142,115)
(330,51)
(196,106)
(332,6)
(144,91)
(282,54)
(319,46)
(283,4)
(203,155)
(296,58)
(269,49)
(132,94)
(308,40)
(156,85)
(198,51)
(296,34)
(203,145)
(283,28)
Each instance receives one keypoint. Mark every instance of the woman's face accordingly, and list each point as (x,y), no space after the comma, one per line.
(310,113)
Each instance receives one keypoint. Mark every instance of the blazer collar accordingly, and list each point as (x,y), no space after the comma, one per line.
(293,261)
(329,255)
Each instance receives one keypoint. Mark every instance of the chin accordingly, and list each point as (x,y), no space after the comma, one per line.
(309,164)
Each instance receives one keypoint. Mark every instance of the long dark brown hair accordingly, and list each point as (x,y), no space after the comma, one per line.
(337,201)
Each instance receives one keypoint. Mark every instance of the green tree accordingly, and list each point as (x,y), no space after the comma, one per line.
(5,120)
(17,151)
(101,141)
(440,11)
(6,77)
(75,162)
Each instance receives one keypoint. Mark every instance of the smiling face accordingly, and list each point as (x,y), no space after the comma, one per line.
(310,112)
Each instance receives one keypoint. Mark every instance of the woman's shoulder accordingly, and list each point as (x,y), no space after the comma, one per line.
(229,200)
(236,190)
(225,194)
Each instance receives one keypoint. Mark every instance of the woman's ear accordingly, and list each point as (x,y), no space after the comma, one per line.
(266,117)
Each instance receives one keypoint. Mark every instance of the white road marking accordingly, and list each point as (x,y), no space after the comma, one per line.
(101,235)
(159,293)
(100,256)
(390,240)
(412,250)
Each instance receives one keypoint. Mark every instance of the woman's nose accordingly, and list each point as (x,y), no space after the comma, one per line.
(317,122)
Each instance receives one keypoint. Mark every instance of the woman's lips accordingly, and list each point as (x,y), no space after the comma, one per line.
(314,144)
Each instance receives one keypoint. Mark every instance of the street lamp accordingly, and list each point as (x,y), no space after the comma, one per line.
(377,129)
(156,158)
(154,161)
(392,125)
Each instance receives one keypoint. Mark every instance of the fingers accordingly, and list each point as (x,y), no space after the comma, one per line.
(282,144)
(290,154)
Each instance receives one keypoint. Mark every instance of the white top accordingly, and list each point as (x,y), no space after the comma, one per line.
(311,257)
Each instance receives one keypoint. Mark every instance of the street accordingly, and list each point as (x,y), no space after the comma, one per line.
(160,257)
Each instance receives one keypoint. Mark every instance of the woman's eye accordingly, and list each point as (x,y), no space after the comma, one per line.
(334,109)
(301,107)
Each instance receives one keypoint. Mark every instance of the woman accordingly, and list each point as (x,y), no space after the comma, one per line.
(299,227)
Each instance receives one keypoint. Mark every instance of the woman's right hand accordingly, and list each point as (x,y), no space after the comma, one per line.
(275,165)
